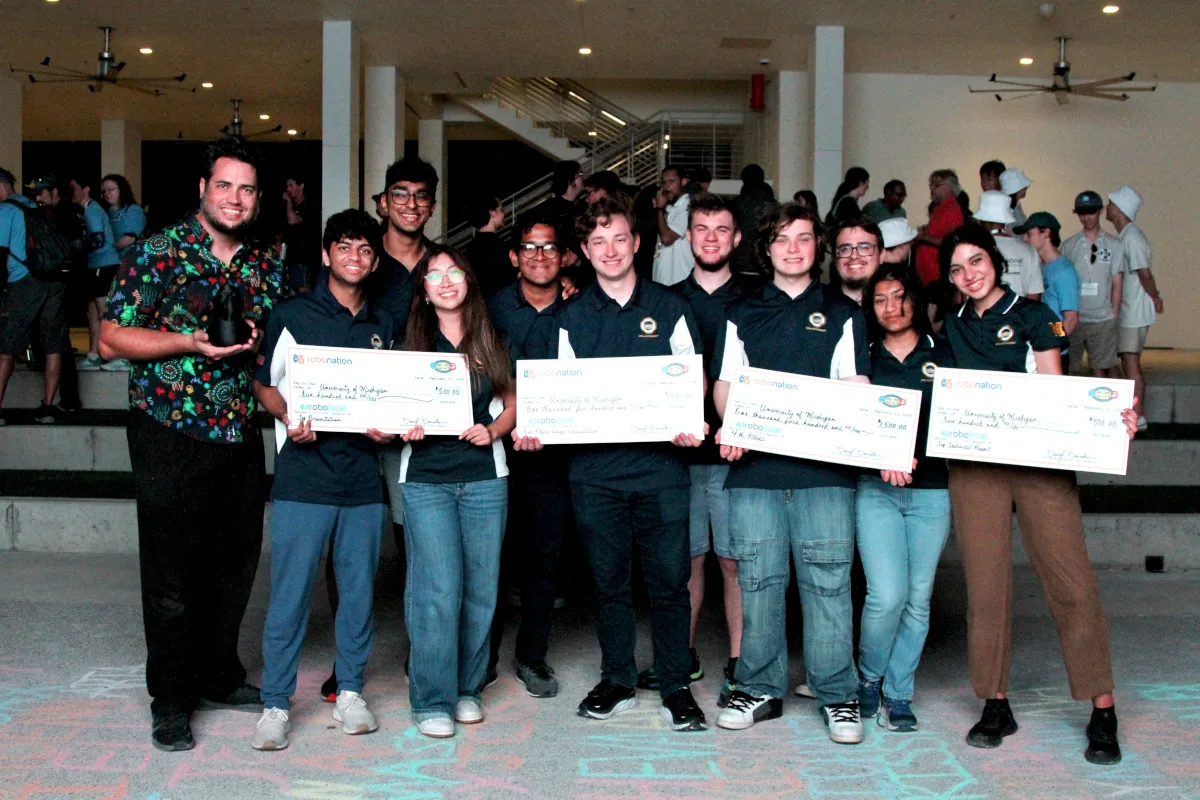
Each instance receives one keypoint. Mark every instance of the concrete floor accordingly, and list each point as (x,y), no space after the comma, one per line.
(74,712)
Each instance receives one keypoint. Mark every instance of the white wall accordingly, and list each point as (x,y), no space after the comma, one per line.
(905,126)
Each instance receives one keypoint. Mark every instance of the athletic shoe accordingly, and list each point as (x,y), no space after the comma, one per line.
(1142,424)
(538,680)
(47,415)
(648,678)
(271,732)
(996,723)
(897,715)
(116,365)
(437,727)
(845,725)
(1102,746)
(729,685)
(680,711)
(351,710)
(607,700)
(697,671)
(329,687)
(745,709)
(171,730)
(468,712)
(802,690)
(244,698)
(868,698)
(91,362)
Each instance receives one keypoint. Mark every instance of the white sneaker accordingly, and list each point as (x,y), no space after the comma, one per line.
(116,365)
(1142,424)
(468,712)
(351,710)
(271,731)
(845,724)
(90,362)
(437,727)
(745,709)
(802,690)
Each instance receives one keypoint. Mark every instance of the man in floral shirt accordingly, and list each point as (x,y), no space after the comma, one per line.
(196,452)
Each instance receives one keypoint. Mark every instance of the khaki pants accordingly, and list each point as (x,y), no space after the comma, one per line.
(982,496)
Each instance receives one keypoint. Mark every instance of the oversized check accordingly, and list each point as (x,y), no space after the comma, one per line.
(1030,420)
(351,390)
(825,420)
(599,400)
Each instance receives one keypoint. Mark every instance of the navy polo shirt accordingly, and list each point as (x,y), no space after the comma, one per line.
(338,469)
(448,459)
(821,333)
(654,322)
(392,289)
(1005,338)
(916,372)
(709,311)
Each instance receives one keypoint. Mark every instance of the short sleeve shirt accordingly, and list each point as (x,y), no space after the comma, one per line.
(127,221)
(1062,286)
(877,212)
(338,469)
(1137,309)
(673,262)
(1005,338)
(942,220)
(916,372)
(102,251)
(1096,264)
(654,322)
(1023,266)
(819,333)
(391,287)
(12,235)
(168,284)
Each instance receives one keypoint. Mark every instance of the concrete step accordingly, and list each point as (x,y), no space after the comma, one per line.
(97,389)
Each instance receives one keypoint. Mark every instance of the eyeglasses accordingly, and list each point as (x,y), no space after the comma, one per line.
(530,249)
(848,250)
(1095,250)
(422,197)
(437,277)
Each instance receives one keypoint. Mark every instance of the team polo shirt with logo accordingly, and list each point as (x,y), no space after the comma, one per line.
(391,286)
(338,469)
(916,372)
(822,334)
(654,322)
(1005,338)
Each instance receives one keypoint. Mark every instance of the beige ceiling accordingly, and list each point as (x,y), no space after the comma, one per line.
(268,52)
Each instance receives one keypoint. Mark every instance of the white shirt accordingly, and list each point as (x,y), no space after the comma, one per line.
(1095,274)
(674,262)
(1024,266)
(1137,309)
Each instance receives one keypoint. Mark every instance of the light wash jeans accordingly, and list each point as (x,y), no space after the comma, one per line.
(901,533)
(453,534)
(816,527)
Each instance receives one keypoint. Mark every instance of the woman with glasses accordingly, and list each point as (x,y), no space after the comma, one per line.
(903,518)
(455,502)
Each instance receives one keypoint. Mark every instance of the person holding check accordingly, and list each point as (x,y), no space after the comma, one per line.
(999,331)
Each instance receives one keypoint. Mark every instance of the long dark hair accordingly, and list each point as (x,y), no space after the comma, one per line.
(854,177)
(914,292)
(975,234)
(126,191)
(485,352)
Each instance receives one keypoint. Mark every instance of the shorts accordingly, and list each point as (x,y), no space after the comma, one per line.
(709,508)
(99,281)
(1132,340)
(32,304)
(1099,339)
(391,455)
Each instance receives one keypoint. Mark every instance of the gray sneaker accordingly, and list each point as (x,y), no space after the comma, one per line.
(351,710)
(539,681)
(271,732)
(116,365)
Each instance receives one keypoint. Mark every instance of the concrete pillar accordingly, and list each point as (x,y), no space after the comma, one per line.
(827,73)
(383,125)
(431,146)
(10,126)
(339,118)
(791,173)
(121,152)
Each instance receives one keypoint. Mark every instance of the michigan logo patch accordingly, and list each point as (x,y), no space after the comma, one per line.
(1057,329)
(816,321)
(648,326)
(1005,334)
(928,368)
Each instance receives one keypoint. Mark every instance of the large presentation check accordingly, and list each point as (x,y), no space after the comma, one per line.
(602,400)
(1030,420)
(351,390)
(825,420)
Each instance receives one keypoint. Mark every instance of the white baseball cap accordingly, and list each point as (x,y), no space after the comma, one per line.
(995,207)
(897,231)
(1127,199)
(1013,180)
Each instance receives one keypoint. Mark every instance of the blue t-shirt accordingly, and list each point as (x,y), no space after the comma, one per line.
(12,235)
(127,221)
(101,252)
(1062,286)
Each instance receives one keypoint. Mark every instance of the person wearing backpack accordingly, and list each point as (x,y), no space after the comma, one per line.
(102,263)
(30,301)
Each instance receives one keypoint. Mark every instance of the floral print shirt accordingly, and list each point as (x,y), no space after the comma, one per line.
(167,283)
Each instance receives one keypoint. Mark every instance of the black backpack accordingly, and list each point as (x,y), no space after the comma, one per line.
(47,251)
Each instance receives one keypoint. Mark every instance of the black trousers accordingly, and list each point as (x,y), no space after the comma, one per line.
(539,514)
(200,522)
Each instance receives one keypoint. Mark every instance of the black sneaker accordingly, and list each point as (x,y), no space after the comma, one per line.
(1102,746)
(680,711)
(171,730)
(538,680)
(47,415)
(329,687)
(243,698)
(697,671)
(996,723)
(728,687)
(607,700)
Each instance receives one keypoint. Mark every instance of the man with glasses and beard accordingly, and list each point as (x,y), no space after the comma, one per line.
(857,251)
(196,451)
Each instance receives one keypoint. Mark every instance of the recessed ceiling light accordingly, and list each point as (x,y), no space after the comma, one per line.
(51,1)
(146,51)
(292,131)
(206,85)
(585,51)
(1111,9)
(264,116)
(1027,61)
(593,133)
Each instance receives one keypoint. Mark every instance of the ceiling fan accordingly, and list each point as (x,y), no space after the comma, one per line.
(1061,86)
(108,71)
(236,129)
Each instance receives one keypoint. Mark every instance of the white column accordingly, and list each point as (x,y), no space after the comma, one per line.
(121,152)
(339,118)
(10,126)
(791,173)
(827,71)
(431,146)
(383,125)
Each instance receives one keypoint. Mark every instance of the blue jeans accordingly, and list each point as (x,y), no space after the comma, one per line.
(299,533)
(453,533)
(709,509)
(816,527)
(901,533)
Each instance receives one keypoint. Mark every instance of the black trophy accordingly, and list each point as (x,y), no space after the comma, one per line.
(226,327)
